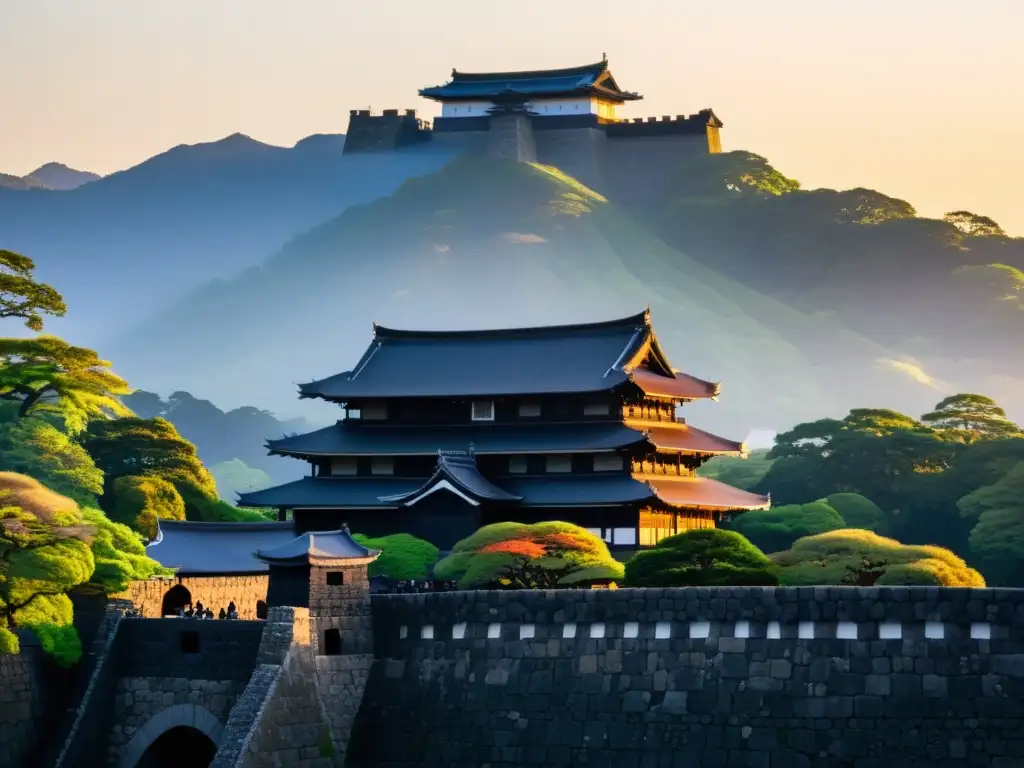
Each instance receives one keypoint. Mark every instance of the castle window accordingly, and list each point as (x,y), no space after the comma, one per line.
(335,578)
(624,536)
(529,410)
(595,409)
(482,410)
(346,465)
(559,463)
(190,642)
(382,466)
(607,462)
(375,411)
(332,642)
(353,413)
(517,465)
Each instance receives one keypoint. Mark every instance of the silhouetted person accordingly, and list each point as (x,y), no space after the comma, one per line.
(199,607)
(222,615)
(209,613)
(232,608)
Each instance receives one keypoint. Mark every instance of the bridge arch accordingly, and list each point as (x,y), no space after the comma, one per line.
(176,716)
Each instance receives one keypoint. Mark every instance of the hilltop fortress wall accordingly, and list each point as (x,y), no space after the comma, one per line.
(631,158)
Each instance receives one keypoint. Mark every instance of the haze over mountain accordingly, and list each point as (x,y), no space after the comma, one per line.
(488,243)
(54,176)
(801,302)
(122,245)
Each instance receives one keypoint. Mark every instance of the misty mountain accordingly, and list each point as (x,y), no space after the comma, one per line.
(488,243)
(138,239)
(948,293)
(52,176)
(59,177)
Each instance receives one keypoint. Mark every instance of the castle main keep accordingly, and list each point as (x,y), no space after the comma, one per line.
(568,118)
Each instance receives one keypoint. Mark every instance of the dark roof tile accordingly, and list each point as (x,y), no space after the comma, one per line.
(214,548)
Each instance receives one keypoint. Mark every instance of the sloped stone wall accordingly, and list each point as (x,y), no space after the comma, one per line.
(867,678)
(280,719)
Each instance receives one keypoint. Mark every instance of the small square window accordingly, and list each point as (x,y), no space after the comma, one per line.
(335,578)
(482,410)
(559,463)
(190,642)
(382,466)
(529,410)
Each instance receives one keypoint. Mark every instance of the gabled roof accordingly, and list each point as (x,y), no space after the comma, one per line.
(318,547)
(588,79)
(556,359)
(215,548)
(456,472)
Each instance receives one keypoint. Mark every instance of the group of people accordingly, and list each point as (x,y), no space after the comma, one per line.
(423,585)
(207,613)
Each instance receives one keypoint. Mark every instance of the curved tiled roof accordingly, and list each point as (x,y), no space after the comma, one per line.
(215,548)
(317,545)
(556,359)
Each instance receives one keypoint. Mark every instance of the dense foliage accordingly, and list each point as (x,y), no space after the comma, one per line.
(776,529)
(701,558)
(524,556)
(402,556)
(75,464)
(914,473)
(842,557)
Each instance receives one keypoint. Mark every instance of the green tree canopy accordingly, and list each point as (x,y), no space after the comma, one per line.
(973,224)
(140,500)
(119,554)
(997,540)
(552,553)
(48,375)
(38,449)
(830,558)
(859,512)
(402,556)
(701,558)
(44,552)
(971,417)
(22,296)
(150,447)
(773,530)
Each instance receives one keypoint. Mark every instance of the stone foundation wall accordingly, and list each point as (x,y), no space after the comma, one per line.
(578,152)
(24,700)
(867,678)
(638,170)
(297,709)
(342,682)
(214,592)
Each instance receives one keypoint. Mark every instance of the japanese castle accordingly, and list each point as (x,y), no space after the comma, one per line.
(446,431)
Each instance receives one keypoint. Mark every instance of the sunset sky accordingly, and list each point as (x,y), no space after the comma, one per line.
(920,99)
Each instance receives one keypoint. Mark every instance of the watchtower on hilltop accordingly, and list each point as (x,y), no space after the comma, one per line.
(568,117)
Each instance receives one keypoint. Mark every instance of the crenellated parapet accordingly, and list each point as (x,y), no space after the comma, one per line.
(389,130)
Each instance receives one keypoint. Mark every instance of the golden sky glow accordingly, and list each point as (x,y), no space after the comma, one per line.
(919,99)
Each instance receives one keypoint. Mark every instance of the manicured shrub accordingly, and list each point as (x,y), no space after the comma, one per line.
(708,557)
